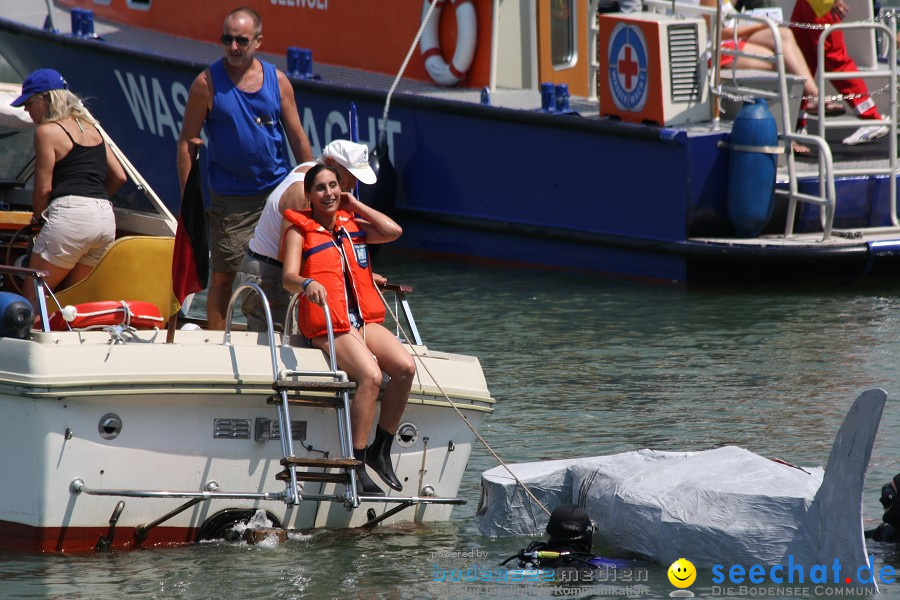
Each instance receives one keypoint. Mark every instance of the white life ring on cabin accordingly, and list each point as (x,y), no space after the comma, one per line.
(466,37)
(136,313)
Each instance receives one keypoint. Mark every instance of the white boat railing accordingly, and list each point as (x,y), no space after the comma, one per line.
(593,59)
(890,72)
(886,25)
(737,85)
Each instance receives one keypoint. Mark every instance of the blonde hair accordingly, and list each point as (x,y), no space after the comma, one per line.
(62,104)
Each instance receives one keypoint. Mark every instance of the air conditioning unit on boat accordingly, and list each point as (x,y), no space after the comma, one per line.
(652,68)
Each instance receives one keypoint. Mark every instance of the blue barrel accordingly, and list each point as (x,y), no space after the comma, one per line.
(752,168)
(16,316)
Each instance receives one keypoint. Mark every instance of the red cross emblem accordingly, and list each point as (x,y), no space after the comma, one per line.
(628,68)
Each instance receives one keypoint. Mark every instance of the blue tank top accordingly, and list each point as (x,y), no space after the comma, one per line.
(246,140)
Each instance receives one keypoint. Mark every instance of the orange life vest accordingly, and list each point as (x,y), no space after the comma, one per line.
(324,257)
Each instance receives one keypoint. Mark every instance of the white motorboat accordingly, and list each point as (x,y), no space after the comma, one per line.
(116,436)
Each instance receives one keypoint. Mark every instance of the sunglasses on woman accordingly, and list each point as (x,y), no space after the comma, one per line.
(227,40)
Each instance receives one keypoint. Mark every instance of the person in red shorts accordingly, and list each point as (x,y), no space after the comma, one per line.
(827,12)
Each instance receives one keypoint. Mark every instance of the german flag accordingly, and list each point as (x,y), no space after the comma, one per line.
(190,262)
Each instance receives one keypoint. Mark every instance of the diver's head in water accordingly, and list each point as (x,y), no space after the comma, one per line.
(570,529)
(890,502)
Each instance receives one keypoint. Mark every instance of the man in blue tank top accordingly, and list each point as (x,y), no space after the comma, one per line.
(248,108)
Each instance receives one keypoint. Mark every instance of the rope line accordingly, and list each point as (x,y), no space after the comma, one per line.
(455,408)
(718,91)
(396,82)
(884,16)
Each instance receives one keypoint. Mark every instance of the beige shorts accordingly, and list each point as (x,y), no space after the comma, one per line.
(77,230)
(232,221)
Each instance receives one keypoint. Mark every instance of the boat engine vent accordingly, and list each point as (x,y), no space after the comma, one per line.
(269,429)
(231,429)
(684,63)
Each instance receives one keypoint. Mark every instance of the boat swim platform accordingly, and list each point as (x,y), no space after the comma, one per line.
(839,240)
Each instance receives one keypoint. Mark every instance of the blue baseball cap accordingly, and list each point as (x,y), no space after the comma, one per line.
(42,80)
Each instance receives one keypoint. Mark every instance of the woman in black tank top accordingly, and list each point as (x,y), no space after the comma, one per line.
(75,173)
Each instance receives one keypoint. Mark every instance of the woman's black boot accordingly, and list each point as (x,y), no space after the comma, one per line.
(379,458)
(364,484)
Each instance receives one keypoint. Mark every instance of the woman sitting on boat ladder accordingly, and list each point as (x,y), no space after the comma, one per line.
(325,258)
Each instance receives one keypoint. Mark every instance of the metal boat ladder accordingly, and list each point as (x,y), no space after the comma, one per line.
(826,197)
(332,393)
(331,390)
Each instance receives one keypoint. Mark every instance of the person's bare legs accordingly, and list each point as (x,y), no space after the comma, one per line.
(78,273)
(53,279)
(761,43)
(217,298)
(357,357)
(354,358)
(397,362)
(363,359)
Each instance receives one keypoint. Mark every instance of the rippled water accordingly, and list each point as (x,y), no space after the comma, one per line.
(579,366)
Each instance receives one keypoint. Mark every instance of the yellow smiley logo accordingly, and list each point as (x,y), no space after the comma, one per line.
(682,573)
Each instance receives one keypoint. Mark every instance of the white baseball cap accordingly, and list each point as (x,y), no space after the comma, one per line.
(353,157)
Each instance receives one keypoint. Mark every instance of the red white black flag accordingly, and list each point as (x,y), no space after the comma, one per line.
(190,262)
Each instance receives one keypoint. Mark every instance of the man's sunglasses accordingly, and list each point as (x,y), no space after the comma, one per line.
(227,40)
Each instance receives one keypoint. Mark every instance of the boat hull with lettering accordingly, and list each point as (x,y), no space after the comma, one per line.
(486,172)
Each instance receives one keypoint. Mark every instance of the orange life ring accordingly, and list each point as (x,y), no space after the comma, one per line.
(136,313)
(466,38)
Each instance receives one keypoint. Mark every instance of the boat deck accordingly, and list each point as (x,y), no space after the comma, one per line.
(838,239)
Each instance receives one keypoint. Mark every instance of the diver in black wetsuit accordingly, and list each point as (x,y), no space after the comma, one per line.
(569,546)
(571,537)
(889,530)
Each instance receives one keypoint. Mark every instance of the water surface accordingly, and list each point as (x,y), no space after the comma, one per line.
(579,366)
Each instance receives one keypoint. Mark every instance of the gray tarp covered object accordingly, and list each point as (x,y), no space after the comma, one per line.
(721,506)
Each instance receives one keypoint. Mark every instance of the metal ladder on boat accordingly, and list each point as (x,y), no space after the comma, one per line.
(738,87)
(331,391)
(826,198)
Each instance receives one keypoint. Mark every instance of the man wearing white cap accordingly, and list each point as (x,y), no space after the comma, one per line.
(262,263)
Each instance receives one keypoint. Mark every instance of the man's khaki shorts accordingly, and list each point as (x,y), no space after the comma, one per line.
(232,220)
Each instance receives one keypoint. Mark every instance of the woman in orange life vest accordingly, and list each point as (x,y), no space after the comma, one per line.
(324,251)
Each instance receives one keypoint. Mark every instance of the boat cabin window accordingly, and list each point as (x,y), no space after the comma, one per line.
(563,51)
(132,197)
(104,2)
(16,151)
(139,4)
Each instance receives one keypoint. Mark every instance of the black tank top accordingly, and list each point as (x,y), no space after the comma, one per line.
(81,172)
